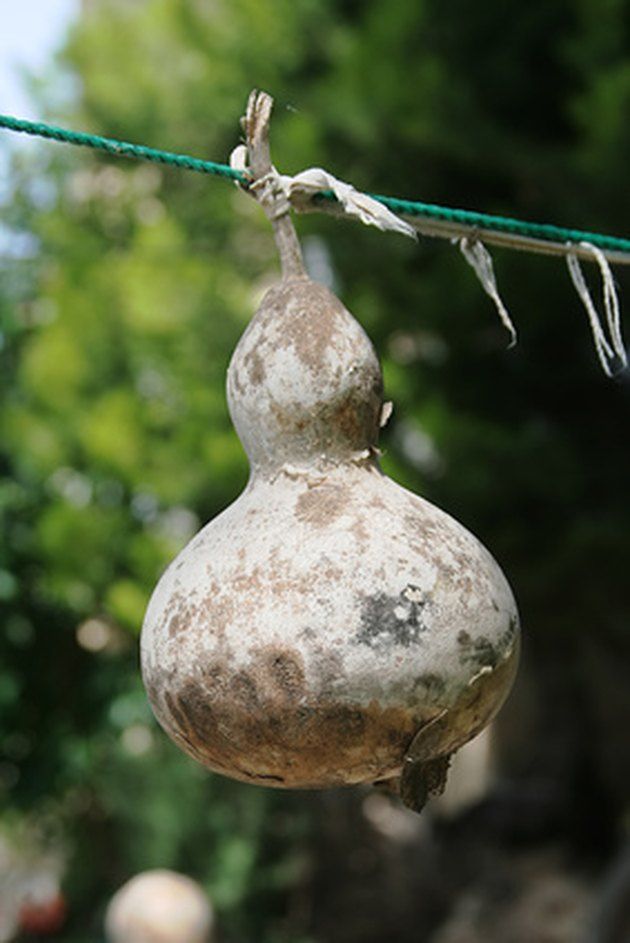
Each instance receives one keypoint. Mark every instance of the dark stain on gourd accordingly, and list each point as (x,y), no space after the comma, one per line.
(316,317)
(397,620)
(285,741)
(479,651)
(285,672)
(176,625)
(255,368)
(290,745)
(179,616)
(429,686)
(321,505)
(355,418)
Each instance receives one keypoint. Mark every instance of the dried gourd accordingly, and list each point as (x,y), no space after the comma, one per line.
(329,627)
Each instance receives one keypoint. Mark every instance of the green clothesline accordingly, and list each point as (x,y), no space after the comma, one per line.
(441,220)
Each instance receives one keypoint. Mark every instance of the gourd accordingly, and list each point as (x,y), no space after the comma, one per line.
(329,627)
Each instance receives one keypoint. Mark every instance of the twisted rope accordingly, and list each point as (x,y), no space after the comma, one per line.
(427,218)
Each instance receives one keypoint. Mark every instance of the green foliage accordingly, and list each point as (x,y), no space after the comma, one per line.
(116,442)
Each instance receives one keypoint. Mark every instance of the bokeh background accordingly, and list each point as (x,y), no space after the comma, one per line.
(123,290)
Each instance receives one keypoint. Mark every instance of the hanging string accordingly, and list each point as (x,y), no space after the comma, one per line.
(607,348)
(480,261)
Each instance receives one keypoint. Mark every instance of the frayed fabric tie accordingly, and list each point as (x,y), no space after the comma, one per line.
(480,261)
(308,183)
(609,348)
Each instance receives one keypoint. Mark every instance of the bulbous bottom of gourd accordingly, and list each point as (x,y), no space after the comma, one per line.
(307,635)
(317,745)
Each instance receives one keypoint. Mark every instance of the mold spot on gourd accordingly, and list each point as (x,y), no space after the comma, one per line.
(329,627)
(388,620)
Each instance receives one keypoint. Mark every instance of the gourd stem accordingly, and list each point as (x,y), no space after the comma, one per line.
(273,201)
(291,261)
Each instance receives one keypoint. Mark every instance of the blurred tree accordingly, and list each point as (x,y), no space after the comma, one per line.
(119,316)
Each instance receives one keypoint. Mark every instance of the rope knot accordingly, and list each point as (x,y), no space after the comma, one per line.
(272,194)
(278,193)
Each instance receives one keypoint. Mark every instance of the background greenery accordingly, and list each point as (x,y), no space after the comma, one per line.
(118,320)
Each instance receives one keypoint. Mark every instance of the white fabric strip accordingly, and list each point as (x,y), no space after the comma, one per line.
(607,348)
(480,261)
(356,204)
(309,182)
